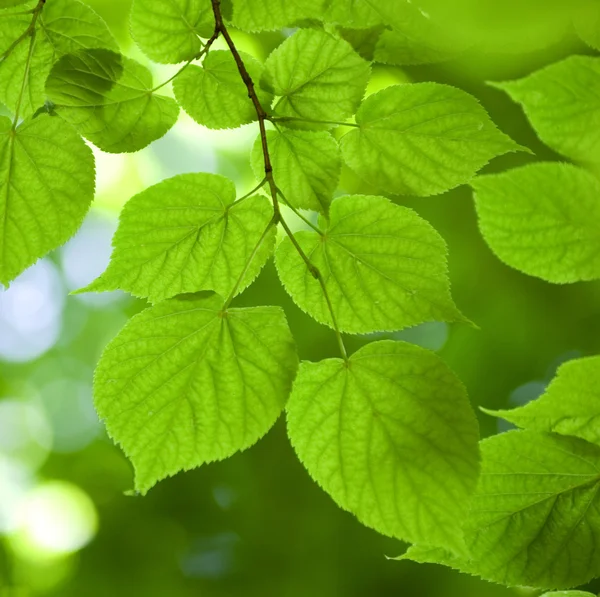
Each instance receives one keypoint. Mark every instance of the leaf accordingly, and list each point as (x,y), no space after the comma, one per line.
(390,435)
(562,102)
(586,20)
(270,15)
(215,95)
(109,99)
(47,184)
(12,26)
(170,32)
(351,13)
(11,3)
(383,266)
(306,166)
(186,234)
(63,26)
(569,594)
(422,139)
(535,518)
(316,76)
(543,219)
(570,405)
(186,383)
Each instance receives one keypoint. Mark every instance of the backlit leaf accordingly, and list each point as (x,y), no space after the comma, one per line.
(383,266)
(185,383)
(391,437)
(269,15)
(543,219)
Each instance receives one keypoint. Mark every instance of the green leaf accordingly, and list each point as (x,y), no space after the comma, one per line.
(170,32)
(269,15)
(306,166)
(562,102)
(214,94)
(63,26)
(47,184)
(422,139)
(351,13)
(570,405)
(109,99)
(316,76)
(543,219)
(569,594)
(391,436)
(12,26)
(587,23)
(535,518)
(383,266)
(11,3)
(186,234)
(185,383)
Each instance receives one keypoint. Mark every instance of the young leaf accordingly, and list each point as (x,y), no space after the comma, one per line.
(306,166)
(422,139)
(47,184)
(562,101)
(570,405)
(543,219)
(391,436)
(63,26)
(587,22)
(383,266)
(170,32)
(185,383)
(186,234)
(269,15)
(535,518)
(109,99)
(316,76)
(214,94)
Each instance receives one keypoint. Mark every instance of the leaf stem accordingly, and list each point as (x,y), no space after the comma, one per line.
(284,119)
(259,186)
(262,117)
(297,212)
(199,55)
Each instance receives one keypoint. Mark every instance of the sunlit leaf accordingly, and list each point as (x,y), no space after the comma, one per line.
(268,15)
(185,383)
(383,266)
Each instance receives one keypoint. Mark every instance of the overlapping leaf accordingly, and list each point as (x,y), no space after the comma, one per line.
(316,76)
(214,94)
(186,234)
(63,26)
(269,15)
(306,166)
(562,101)
(391,437)
(587,22)
(543,219)
(46,187)
(535,518)
(384,268)
(109,99)
(422,139)
(185,383)
(351,13)
(170,32)
(570,405)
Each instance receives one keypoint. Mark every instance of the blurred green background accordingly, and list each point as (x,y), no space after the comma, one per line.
(254,525)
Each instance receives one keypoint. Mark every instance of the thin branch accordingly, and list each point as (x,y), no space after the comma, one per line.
(305,220)
(284,119)
(262,117)
(259,186)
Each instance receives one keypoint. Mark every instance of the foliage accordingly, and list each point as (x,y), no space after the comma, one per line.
(387,431)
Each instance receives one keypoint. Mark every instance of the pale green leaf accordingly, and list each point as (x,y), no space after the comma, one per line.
(46,187)
(383,266)
(170,32)
(185,383)
(316,76)
(351,13)
(109,99)
(391,436)
(12,25)
(186,234)
(535,518)
(422,139)
(306,166)
(562,102)
(587,22)
(215,95)
(270,15)
(543,219)
(63,26)
(570,405)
